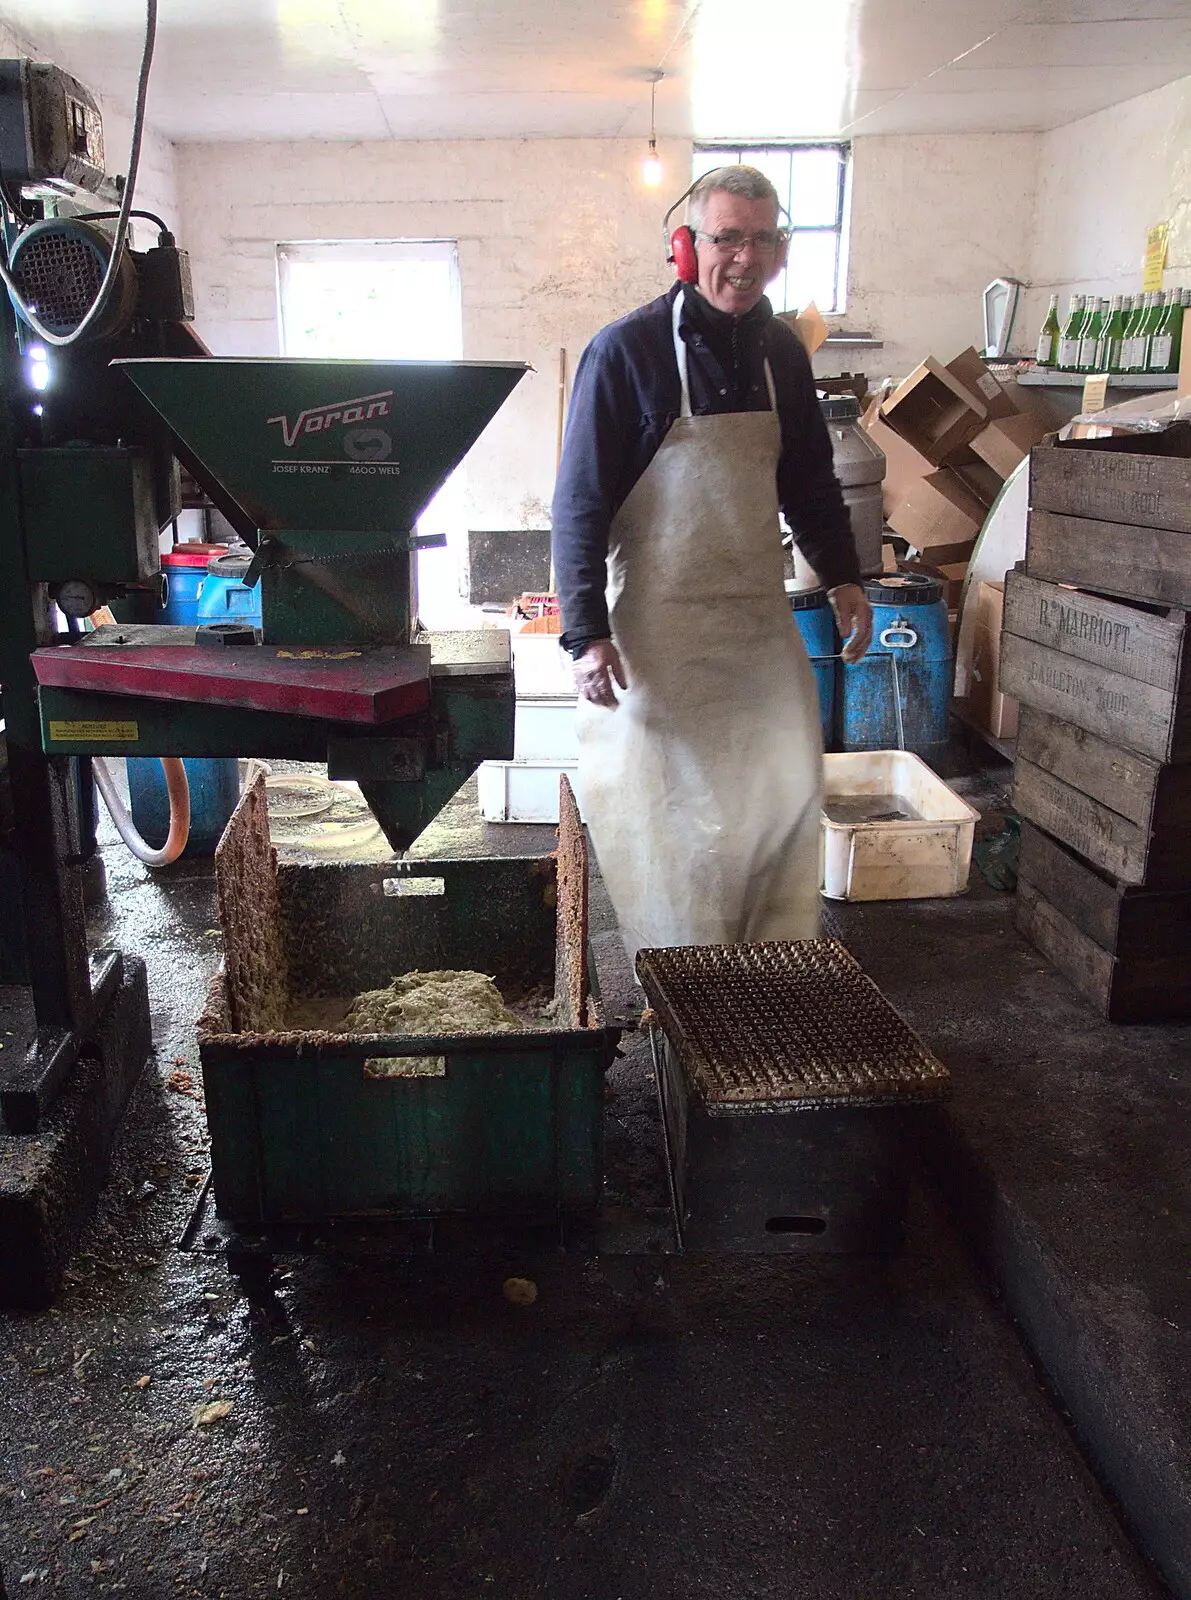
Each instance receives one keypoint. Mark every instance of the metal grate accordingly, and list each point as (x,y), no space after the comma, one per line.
(797,1023)
(59,276)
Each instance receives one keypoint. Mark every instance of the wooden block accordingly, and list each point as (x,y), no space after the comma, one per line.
(1133,989)
(1112,842)
(1143,644)
(1120,710)
(1136,486)
(1141,563)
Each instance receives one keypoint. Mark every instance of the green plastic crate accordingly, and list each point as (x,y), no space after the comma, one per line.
(514,1129)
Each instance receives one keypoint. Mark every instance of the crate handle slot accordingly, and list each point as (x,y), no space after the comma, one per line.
(393,887)
(796,1225)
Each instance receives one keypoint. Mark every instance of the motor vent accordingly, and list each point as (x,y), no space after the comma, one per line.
(58,267)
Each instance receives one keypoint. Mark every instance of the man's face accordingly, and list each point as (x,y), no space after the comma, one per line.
(734,281)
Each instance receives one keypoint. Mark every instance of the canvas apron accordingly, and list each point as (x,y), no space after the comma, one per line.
(702,789)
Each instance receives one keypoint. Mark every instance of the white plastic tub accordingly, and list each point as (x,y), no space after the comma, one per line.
(545,729)
(541,666)
(522,791)
(924,857)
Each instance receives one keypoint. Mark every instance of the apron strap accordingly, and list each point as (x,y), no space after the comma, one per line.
(680,358)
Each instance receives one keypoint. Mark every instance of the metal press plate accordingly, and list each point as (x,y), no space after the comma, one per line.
(791,1026)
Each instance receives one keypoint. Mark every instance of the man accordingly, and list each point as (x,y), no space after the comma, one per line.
(693,420)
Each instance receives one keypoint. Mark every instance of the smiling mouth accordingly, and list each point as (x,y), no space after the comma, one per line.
(741,283)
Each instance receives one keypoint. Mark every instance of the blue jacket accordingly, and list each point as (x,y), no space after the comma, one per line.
(626,397)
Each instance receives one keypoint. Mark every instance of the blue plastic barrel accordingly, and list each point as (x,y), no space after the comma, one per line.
(185,569)
(225,597)
(198,579)
(816,622)
(214,790)
(909,666)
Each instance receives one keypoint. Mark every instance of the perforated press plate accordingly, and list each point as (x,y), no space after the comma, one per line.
(797,1023)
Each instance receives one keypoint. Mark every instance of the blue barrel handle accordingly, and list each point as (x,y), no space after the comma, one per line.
(898,637)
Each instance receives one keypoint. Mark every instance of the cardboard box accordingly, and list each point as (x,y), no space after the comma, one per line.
(937,511)
(935,412)
(991,709)
(904,466)
(977,477)
(971,372)
(1006,442)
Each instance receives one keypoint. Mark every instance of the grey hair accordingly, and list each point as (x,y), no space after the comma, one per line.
(746,182)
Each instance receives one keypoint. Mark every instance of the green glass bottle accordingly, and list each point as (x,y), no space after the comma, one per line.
(1167,340)
(1133,334)
(1069,339)
(1048,338)
(1089,335)
(1113,336)
(1153,320)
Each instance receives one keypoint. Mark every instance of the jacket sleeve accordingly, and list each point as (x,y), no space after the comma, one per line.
(809,492)
(586,493)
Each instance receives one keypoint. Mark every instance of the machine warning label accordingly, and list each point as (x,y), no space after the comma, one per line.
(95,732)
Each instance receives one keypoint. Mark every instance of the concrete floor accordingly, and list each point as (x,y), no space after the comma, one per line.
(653,1425)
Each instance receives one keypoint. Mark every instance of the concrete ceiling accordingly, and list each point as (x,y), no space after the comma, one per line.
(739,69)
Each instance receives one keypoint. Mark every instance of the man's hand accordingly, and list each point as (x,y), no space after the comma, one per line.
(596,669)
(854,618)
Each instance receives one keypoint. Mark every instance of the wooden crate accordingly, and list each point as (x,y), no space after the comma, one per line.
(1126,950)
(1119,670)
(1112,518)
(1126,814)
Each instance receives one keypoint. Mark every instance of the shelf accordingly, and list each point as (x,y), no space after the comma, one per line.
(861,343)
(1152,381)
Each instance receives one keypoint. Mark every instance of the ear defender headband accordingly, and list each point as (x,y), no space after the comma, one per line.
(680,245)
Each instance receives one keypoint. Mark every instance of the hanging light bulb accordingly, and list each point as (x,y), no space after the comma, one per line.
(651,167)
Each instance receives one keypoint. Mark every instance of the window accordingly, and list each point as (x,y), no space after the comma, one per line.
(812,184)
(386,300)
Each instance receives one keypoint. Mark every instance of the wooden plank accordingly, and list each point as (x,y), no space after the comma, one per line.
(1080,959)
(1110,841)
(1138,563)
(1092,903)
(1120,779)
(1131,924)
(1154,796)
(1120,710)
(1146,490)
(1138,643)
(1140,990)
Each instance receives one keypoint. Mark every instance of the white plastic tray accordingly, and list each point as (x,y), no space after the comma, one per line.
(545,729)
(522,791)
(914,860)
(541,666)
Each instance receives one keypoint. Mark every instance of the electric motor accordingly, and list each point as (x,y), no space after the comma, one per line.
(58,265)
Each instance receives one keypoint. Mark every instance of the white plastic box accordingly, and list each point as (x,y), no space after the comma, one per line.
(522,791)
(920,859)
(545,729)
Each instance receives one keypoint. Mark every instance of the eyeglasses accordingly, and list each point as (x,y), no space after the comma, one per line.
(732,241)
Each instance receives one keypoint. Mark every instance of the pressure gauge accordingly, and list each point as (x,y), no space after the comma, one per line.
(76,598)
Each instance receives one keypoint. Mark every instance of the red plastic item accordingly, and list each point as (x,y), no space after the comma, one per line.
(193,555)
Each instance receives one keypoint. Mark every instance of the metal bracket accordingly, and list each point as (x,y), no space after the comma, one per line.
(30,1087)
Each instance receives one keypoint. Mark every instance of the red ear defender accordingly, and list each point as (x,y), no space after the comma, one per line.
(682,254)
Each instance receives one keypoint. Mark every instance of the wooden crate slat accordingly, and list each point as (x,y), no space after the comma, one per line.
(1137,643)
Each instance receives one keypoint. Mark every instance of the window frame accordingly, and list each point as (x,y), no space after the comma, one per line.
(732,153)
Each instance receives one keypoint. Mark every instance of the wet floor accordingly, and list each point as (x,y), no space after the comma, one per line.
(649,1425)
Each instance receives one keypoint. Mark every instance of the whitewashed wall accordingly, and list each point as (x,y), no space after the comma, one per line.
(556,237)
(935,218)
(1103,182)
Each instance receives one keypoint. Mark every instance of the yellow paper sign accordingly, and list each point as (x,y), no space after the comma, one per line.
(94,732)
(1095,394)
(1156,241)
